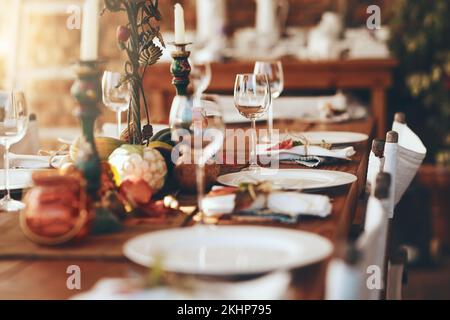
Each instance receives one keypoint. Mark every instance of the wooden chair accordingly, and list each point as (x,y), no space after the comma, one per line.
(384,158)
(357,271)
(404,160)
(400,156)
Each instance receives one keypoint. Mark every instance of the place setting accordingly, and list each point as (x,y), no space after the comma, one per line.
(165,166)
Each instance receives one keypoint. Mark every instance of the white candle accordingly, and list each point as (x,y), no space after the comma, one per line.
(89,30)
(179,24)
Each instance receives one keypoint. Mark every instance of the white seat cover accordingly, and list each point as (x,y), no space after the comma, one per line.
(350,282)
(374,166)
(391,154)
(411,153)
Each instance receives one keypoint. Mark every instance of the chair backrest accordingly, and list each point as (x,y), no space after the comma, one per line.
(411,152)
(359,273)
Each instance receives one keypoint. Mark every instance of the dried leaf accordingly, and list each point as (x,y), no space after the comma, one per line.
(147,38)
(150,55)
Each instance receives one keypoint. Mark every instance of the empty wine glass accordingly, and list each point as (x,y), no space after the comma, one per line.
(116,96)
(252,98)
(209,134)
(201,77)
(199,131)
(13,126)
(274,72)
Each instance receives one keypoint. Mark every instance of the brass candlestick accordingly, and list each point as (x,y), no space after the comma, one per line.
(87,91)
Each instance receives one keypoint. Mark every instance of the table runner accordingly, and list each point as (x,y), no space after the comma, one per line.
(14,244)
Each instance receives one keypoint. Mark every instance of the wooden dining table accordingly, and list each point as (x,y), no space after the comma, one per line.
(29,271)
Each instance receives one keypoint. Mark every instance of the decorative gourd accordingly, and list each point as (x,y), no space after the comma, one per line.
(139,162)
(105,146)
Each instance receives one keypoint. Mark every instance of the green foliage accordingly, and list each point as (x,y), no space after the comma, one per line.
(420,32)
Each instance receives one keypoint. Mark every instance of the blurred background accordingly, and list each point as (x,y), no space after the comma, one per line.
(409,43)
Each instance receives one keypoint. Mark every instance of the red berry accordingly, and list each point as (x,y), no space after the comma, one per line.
(123,33)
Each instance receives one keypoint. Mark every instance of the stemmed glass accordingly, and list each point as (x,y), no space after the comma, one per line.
(13,127)
(116,96)
(200,131)
(209,134)
(274,72)
(252,98)
(201,78)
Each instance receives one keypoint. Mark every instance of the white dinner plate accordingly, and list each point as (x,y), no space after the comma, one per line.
(228,250)
(332,137)
(18,178)
(290,179)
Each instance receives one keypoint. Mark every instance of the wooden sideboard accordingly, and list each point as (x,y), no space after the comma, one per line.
(374,76)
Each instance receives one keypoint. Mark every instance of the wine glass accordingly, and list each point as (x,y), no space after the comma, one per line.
(199,130)
(274,72)
(13,127)
(201,77)
(116,96)
(209,134)
(252,98)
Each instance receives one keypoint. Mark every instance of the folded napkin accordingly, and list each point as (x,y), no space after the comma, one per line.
(270,287)
(311,156)
(341,153)
(411,152)
(284,207)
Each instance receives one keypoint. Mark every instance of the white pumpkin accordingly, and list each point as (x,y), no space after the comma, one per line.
(133,161)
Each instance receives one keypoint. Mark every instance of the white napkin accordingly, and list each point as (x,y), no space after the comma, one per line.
(294,203)
(288,203)
(270,287)
(411,152)
(363,45)
(285,154)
